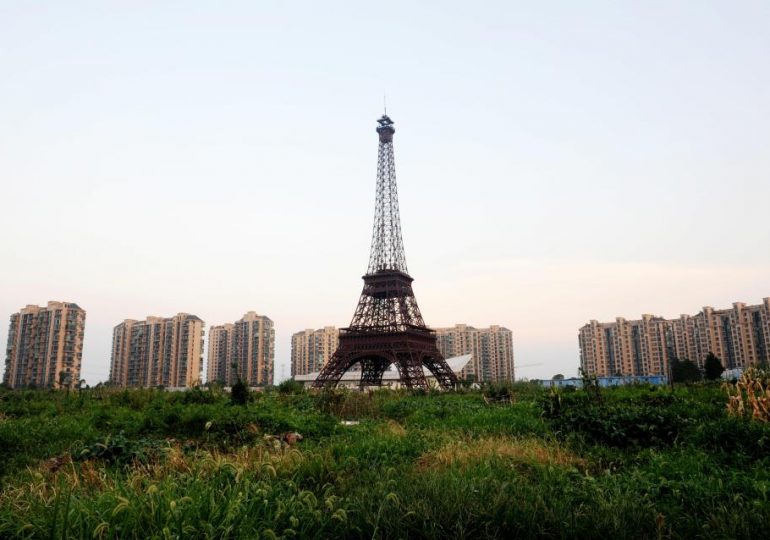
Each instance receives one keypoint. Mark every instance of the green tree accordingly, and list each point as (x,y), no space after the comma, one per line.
(290,386)
(558,377)
(239,393)
(684,371)
(590,384)
(713,367)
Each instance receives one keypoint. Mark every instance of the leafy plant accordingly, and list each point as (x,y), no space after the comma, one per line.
(685,371)
(712,367)
(118,449)
(290,386)
(239,393)
(498,393)
(628,424)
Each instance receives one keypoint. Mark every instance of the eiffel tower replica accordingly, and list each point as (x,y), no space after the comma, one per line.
(387,327)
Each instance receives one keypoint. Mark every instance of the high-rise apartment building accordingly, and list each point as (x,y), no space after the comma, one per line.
(45,346)
(492,350)
(244,349)
(311,349)
(458,340)
(158,352)
(219,365)
(739,336)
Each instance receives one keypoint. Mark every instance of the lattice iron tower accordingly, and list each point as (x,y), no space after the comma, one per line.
(387,327)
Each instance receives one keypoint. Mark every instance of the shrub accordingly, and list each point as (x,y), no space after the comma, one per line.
(685,371)
(733,440)
(712,367)
(498,392)
(621,424)
(198,395)
(239,393)
(290,386)
(119,450)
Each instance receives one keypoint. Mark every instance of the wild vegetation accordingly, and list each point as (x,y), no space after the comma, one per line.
(750,395)
(510,461)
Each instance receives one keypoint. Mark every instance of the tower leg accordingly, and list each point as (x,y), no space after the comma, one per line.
(372,370)
(440,369)
(410,371)
(332,372)
(409,353)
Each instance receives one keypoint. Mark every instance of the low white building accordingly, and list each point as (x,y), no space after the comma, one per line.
(390,379)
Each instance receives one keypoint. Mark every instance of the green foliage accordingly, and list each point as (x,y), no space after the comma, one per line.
(619,425)
(684,371)
(290,386)
(498,392)
(712,367)
(632,462)
(118,449)
(735,441)
(590,384)
(239,393)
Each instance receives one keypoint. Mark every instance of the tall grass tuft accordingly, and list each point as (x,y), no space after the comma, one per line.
(750,395)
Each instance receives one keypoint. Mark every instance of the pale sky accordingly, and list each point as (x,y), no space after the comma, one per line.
(557,161)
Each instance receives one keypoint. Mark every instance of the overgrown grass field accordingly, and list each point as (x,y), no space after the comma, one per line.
(637,462)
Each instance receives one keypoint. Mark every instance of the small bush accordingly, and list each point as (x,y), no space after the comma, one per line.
(498,393)
(622,425)
(119,450)
(733,440)
(239,393)
(290,386)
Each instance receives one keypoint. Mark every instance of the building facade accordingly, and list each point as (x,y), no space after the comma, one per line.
(312,349)
(45,346)
(244,349)
(157,352)
(739,337)
(219,365)
(491,349)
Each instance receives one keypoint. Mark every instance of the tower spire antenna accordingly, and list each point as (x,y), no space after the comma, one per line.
(387,327)
(385,104)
